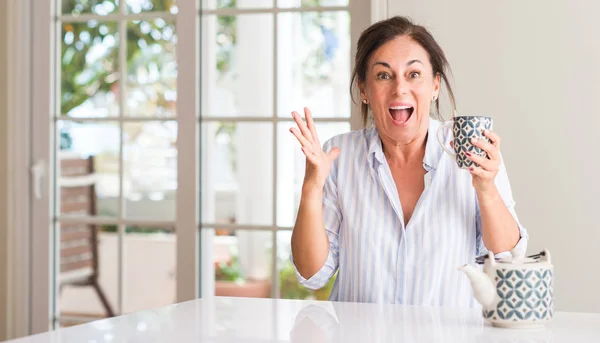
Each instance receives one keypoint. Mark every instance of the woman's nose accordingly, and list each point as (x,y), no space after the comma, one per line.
(400,87)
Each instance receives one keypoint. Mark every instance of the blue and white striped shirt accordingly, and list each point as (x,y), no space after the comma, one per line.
(380,260)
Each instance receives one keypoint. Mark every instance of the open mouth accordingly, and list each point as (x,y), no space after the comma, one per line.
(401,114)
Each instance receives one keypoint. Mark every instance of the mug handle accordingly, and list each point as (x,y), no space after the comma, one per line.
(448,151)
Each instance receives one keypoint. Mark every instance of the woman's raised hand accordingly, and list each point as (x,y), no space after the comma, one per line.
(318,162)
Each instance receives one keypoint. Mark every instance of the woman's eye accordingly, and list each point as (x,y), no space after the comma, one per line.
(414,75)
(383,76)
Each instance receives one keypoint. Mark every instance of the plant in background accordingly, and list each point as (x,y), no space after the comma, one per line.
(229,271)
(290,288)
(110,228)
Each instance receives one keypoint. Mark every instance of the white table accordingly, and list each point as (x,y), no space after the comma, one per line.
(223,320)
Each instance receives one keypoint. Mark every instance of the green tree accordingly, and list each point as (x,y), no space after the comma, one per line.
(90,50)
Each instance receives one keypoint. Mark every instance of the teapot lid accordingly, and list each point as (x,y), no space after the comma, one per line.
(516,258)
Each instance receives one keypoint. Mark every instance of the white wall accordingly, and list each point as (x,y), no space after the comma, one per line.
(3,175)
(533,66)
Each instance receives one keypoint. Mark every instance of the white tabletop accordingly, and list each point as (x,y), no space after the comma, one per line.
(226,320)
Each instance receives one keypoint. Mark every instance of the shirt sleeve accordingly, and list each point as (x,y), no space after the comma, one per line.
(332,218)
(504,188)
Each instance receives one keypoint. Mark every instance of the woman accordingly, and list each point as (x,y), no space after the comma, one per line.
(384,206)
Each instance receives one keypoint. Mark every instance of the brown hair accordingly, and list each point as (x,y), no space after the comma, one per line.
(383,31)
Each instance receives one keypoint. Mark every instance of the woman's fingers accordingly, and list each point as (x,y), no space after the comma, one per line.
(303,140)
(306,134)
(489,148)
(302,126)
(494,138)
(487,164)
(311,125)
(480,172)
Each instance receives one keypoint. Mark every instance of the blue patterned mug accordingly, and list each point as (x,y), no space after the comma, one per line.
(464,128)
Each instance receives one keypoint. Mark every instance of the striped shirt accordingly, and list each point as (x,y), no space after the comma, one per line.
(377,258)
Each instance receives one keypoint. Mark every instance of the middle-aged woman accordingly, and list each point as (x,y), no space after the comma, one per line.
(384,206)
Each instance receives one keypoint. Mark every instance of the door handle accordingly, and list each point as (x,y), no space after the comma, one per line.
(37,173)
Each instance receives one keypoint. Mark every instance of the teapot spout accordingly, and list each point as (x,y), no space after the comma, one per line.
(484,289)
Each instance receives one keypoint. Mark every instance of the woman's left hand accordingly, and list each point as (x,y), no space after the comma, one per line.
(485,174)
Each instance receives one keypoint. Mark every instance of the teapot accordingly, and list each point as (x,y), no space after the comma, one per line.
(514,291)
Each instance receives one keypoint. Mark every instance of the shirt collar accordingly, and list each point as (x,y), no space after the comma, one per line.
(433,150)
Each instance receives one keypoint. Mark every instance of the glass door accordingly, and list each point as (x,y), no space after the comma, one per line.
(112,160)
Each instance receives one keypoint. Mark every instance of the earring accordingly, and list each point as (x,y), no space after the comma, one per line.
(364,101)
(434,98)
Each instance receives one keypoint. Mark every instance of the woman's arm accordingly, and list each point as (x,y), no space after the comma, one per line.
(310,245)
(310,242)
(500,229)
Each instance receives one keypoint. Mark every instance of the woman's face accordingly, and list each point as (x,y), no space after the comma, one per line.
(400,87)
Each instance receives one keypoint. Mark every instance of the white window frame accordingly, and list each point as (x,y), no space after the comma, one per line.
(42,68)
(36,241)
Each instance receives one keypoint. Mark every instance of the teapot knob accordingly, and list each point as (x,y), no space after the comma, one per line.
(546,255)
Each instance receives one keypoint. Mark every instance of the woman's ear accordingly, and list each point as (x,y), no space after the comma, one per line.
(436,86)
(363,93)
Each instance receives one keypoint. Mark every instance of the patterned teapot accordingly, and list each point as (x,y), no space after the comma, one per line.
(516,291)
